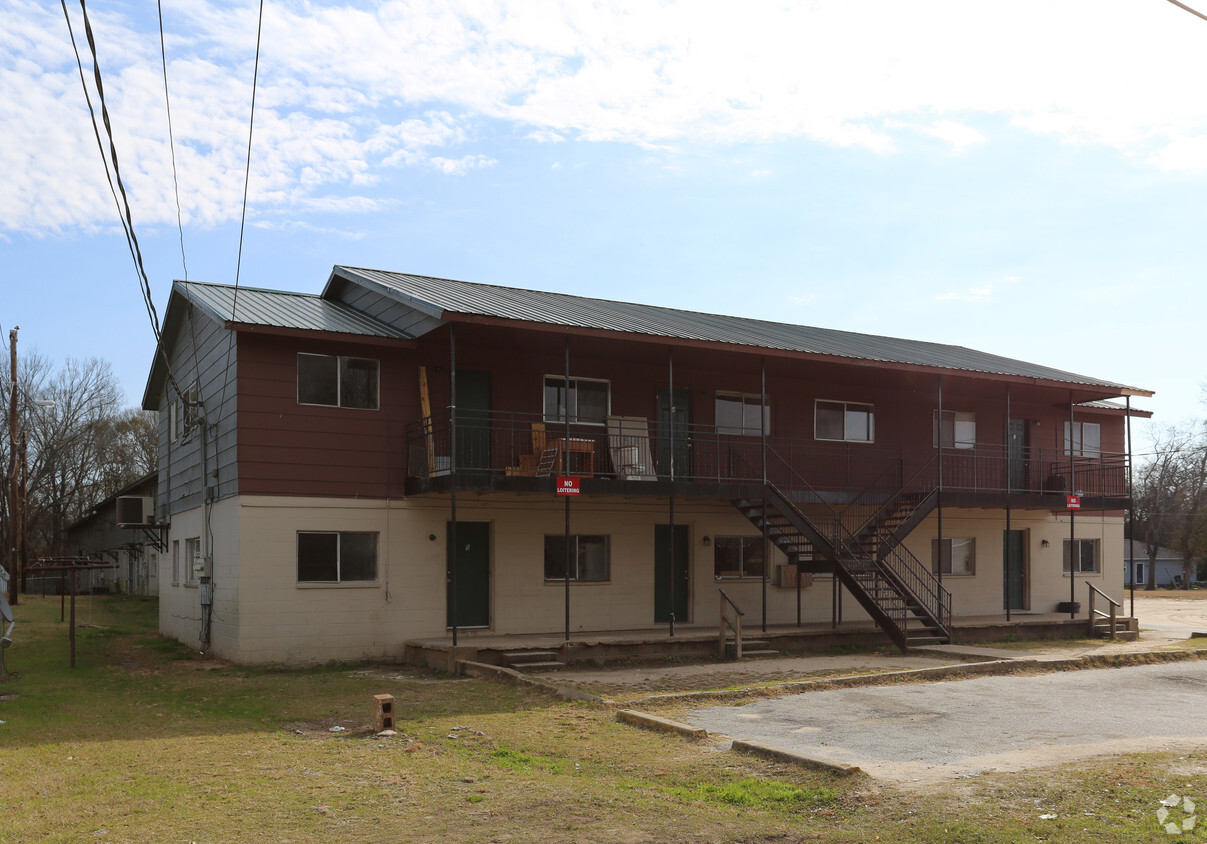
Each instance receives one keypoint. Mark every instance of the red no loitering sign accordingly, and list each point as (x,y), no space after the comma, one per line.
(567,486)
(1072,502)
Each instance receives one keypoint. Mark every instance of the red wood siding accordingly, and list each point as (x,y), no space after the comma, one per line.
(290,449)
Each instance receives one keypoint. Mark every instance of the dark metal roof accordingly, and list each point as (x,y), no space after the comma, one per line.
(282,309)
(438,297)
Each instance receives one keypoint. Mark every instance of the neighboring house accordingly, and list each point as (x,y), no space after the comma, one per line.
(122,530)
(314,470)
(1168,565)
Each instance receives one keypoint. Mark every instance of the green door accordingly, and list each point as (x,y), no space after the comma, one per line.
(473,420)
(1014,554)
(678,421)
(470,554)
(664,577)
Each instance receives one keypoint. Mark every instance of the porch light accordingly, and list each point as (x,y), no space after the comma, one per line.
(707,542)
(1044,543)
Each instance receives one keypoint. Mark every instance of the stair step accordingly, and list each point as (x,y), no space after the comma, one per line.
(538,666)
(763,652)
(515,658)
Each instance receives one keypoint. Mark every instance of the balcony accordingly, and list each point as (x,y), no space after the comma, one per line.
(631,456)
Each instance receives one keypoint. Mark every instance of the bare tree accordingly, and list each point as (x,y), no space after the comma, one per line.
(81,445)
(1171,497)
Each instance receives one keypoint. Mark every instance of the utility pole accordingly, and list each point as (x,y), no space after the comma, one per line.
(14,507)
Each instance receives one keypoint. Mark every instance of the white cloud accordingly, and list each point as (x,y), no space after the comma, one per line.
(346,91)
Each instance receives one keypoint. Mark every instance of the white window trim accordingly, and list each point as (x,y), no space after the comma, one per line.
(339,382)
(339,550)
(556,418)
(871,421)
(191,560)
(175,562)
(936,560)
(1097,543)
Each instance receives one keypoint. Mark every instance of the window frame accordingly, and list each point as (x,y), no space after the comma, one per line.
(339,580)
(556,417)
(1095,544)
(936,561)
(743,543)
(846,406)
(1077,448)
(958,418)
(743,400)
(577,540)
(341,362)
(175,562)
(194,562)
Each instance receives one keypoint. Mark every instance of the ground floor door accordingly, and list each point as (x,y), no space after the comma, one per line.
(671,581)
(469,556)
(1014,555)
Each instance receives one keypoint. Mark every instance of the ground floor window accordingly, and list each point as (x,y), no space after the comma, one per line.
(175,562)
(737,556)
(336,557)
(953,555)
(193,562)
(1083,553)
(589,561)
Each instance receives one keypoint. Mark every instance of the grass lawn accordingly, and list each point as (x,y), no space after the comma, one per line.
(146,740)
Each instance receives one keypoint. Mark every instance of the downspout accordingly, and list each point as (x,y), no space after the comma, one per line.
(763,446)
(1009,491)
(1131,514)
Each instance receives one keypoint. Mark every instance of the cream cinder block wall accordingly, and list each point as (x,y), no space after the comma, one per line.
(179,602)
(1046,584)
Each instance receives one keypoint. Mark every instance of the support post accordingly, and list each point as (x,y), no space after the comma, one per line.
(566,461)
(14,507)
(670,399)
(1006,540)
(763,452)
(939,492)
(1131,515)
(1072,513)
(452,474)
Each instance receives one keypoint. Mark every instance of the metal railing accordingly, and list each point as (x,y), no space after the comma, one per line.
(1094,614)
(498,443)
(733,623)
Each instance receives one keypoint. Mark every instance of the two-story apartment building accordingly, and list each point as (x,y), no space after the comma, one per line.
(387,461)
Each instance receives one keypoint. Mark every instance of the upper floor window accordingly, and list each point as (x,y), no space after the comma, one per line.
(337,381)
(739,414)
(1086,440)
(952,429)
(587,400)
(840,420)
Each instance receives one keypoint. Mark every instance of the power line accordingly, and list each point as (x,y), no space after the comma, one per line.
(167,101)
(1188,9)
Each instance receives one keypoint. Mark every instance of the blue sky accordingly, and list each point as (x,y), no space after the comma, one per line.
(1025,179)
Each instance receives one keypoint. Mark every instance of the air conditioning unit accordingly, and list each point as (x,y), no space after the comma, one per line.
(135,511)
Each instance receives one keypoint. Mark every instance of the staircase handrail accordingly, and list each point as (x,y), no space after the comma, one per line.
(735,625)
(908,571)
(908,486)
(1094,590)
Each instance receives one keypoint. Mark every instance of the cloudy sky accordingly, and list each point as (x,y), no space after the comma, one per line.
(1025,178)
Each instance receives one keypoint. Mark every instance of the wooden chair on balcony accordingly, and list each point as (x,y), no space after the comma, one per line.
(543,460)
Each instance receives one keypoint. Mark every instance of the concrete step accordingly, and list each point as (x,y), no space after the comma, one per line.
(517,658)
(758,652)
(551,665)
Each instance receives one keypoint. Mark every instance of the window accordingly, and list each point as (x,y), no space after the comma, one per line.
(1087,439)
(173,421)
(839,420)
(175,562)
(588,558)
(335,557)
(738,414)
(193,561)
(1085,555)
(587,401)
(954,430)
(337,381)
(951,555)
(192,410)
(737,556)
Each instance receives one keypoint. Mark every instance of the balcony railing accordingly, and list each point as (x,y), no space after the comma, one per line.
(627,448)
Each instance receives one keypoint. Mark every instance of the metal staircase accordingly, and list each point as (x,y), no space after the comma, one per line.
(900,593)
